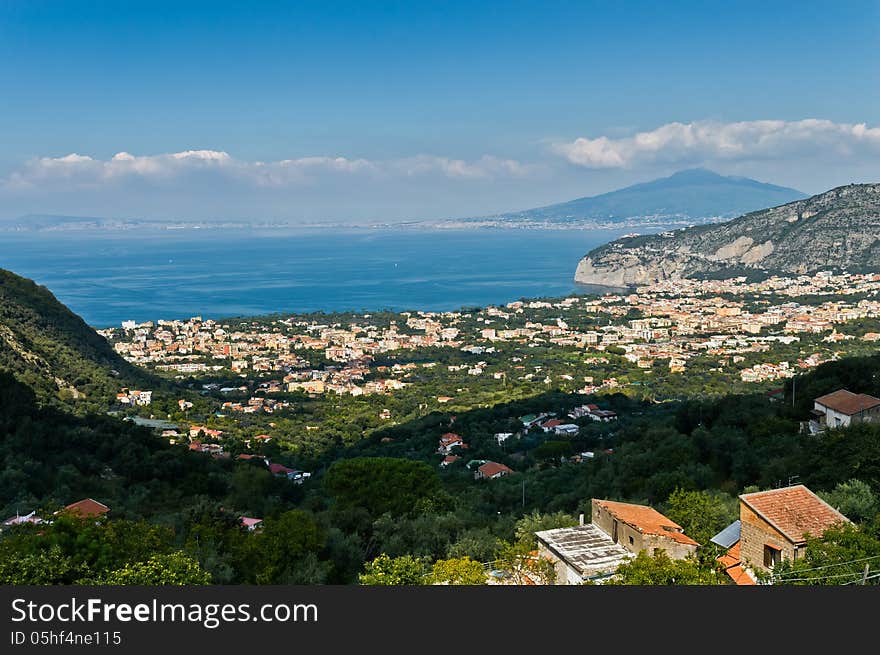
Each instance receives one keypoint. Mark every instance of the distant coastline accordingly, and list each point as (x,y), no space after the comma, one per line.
(111,225)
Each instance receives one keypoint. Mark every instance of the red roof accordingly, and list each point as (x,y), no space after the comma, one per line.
(647,520)
(279,468)
(490,469)
(733,566)
(87,508)
(794,511)
(731,557)
(552,423)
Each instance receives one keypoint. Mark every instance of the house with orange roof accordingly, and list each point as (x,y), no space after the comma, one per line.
(491,470)
(85,508)
(639,527)
(775,525)
(449,441)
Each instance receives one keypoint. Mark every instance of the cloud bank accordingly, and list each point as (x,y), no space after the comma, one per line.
(76,170)
(707,141)
(811,154)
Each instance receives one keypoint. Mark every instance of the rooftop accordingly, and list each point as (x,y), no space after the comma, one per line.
(728,536)
(794,511)
(86,508)
(585,548)
(494,468)
(847,402)
(646,520)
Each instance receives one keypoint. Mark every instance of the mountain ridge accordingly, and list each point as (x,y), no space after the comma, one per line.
(837,229)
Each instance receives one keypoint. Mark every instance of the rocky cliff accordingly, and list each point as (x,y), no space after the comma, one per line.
(838,229)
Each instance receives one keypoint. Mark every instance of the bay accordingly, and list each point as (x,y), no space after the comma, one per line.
(108,277)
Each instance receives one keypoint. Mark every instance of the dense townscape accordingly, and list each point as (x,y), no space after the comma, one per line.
(737,325)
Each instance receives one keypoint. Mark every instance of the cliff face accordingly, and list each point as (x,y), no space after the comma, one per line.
(838,229)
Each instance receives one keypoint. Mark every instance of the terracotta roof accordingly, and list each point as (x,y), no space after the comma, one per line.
(493,468)
(647,520)
(739,576)
(794,511)
(731,557)
(733,566)
(87,508)
(847,402)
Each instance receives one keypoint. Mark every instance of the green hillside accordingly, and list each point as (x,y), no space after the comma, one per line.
(53,351)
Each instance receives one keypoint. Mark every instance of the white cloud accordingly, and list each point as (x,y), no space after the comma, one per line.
(75,170)
(707,141)
(487,166)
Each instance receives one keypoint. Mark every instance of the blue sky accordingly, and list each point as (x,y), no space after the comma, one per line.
(390,110)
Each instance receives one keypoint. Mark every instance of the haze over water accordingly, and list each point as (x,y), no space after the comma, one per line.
(120,275)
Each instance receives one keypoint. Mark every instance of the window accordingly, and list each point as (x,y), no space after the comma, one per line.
(631,542)
(772,555)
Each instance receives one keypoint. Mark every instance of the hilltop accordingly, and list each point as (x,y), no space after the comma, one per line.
(690,196)
(52,350)
(836,230)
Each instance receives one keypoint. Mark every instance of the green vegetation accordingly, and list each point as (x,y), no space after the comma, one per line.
(659,569)
(378,508)
(53,351)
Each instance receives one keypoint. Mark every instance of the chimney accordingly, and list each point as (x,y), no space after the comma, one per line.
(581,518)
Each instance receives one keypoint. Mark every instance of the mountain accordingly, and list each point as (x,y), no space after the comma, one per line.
(53,350)
(690,196)
(838,229)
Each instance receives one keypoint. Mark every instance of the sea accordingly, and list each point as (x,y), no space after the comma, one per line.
(117,275)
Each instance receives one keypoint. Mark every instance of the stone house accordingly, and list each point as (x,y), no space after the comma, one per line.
(639,527)
(774,525)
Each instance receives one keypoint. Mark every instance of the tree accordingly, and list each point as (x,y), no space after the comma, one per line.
(281,551)
(44,567)
(381,484)
(385,570)
(524,565)
(476,543)
(172,569)
(839,556)
(528,525)
(854,499)
(660,569)
(458,571)
(702,514)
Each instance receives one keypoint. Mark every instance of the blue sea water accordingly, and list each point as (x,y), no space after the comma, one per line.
(130,275)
